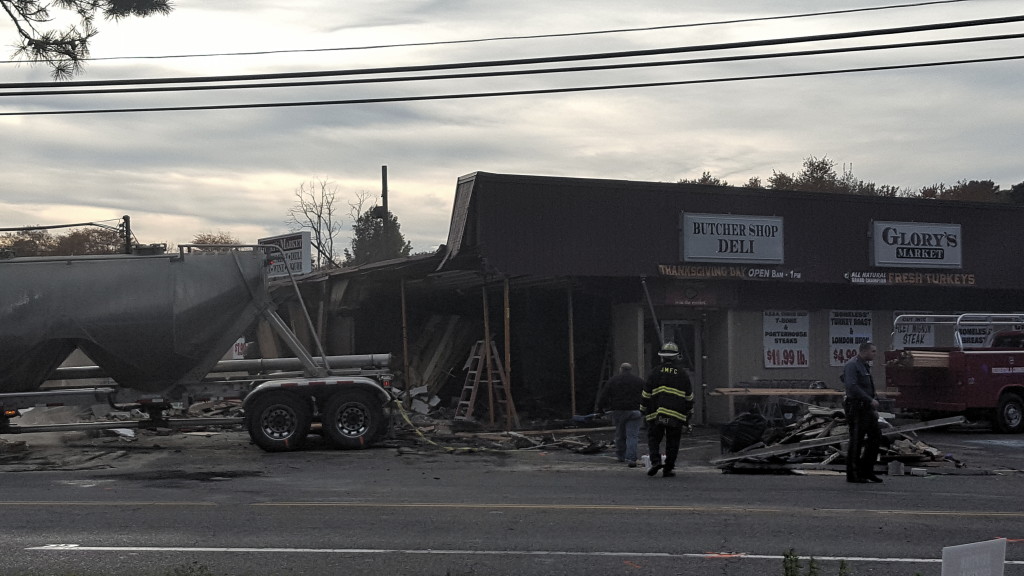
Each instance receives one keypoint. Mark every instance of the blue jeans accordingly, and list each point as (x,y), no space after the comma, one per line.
(627,428)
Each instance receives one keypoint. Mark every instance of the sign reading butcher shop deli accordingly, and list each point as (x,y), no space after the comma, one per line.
(917,245)
(729,238)
(847,329)
(786,339)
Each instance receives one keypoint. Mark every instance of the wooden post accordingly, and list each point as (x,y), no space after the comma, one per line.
(405,348)
(572,357)
(487,357)
(508,359)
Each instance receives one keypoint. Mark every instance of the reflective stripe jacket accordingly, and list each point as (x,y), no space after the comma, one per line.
(668,392)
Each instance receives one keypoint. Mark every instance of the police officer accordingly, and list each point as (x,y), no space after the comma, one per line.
(861,416)
(667,404)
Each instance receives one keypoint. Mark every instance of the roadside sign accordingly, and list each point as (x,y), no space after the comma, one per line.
(978,559)
(297,253)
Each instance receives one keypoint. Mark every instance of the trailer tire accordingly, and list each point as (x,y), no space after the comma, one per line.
(1010,414)
(279,421)
(353,419)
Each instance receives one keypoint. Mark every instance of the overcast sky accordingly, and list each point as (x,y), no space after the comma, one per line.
(182,173)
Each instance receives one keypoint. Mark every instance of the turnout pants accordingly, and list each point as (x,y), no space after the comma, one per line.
(865,436)
(672,434)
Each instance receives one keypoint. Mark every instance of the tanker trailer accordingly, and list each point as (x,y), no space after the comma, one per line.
(157,325)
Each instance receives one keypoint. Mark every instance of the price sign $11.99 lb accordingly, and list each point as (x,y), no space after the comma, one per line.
(786,339)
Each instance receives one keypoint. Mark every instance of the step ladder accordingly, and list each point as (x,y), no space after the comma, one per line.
(477,373)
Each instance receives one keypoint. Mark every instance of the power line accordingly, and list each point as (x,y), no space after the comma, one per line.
(469,95)
(506,73)
(524,37)
(531,61)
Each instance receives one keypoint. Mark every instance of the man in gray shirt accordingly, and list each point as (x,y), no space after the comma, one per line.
(861,416)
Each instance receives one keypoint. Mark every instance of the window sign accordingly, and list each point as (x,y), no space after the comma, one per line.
(731,239)
(847,329)
(786,339)
(912,331)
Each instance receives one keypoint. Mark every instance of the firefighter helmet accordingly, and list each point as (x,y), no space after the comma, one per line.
(668,350)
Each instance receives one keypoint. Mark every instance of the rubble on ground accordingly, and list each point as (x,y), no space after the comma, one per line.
(817,441)
(421,430)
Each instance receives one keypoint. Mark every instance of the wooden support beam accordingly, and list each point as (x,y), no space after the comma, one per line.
(572,357)
(510,411)
(405,345)
(487,356)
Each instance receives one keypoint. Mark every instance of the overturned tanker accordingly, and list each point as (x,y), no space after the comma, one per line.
(149,322)
(157,325)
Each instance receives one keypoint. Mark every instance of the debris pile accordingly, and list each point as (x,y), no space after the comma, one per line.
(818,441)
(215,409)
(420,431)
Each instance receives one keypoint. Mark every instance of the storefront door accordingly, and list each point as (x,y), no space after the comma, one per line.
(687,335)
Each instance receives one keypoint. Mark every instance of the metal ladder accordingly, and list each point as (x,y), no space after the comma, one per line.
(495,378)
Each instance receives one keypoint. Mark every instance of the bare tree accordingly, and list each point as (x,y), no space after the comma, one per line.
(64,50)
(363,201)
(315,210)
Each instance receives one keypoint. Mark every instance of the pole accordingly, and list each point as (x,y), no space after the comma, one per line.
(127,234)
(508,359)
(405,347)
(572,356)
(487,356)
(654,317)
(384,205)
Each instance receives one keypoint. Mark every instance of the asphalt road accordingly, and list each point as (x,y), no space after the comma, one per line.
(197,506)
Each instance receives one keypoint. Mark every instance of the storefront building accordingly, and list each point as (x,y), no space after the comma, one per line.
(753,284)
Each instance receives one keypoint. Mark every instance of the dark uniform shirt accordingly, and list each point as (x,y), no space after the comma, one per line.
(857,378)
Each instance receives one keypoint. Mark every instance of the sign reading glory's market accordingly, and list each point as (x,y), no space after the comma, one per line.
(917,245)
(731,239)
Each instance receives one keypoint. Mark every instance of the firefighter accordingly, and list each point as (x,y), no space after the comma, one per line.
(667,404)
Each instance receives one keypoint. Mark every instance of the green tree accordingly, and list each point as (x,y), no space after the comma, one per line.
(65,50)
(89,241)
(373,242)
(966,191)
(820,175)
(27,243)
(1016,194)
(706,179)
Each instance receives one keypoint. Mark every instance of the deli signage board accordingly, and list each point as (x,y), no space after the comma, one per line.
(847,329)
(786,339)
(916,245)
(731,238)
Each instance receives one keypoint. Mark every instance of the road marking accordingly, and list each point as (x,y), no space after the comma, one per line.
(699,555)
(106,503)
(627,507)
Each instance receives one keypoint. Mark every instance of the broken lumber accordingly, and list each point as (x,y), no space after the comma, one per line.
(780,449)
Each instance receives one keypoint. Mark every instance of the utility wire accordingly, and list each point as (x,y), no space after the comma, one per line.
(529,61)
(506,73)
(525,37)
(468,95)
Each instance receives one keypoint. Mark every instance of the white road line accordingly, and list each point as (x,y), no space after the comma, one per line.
(705,555)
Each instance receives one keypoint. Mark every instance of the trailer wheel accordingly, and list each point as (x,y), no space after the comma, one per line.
(279,421)
(353,419)
(1010,414)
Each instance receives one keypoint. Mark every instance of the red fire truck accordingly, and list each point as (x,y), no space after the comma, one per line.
(981,383)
